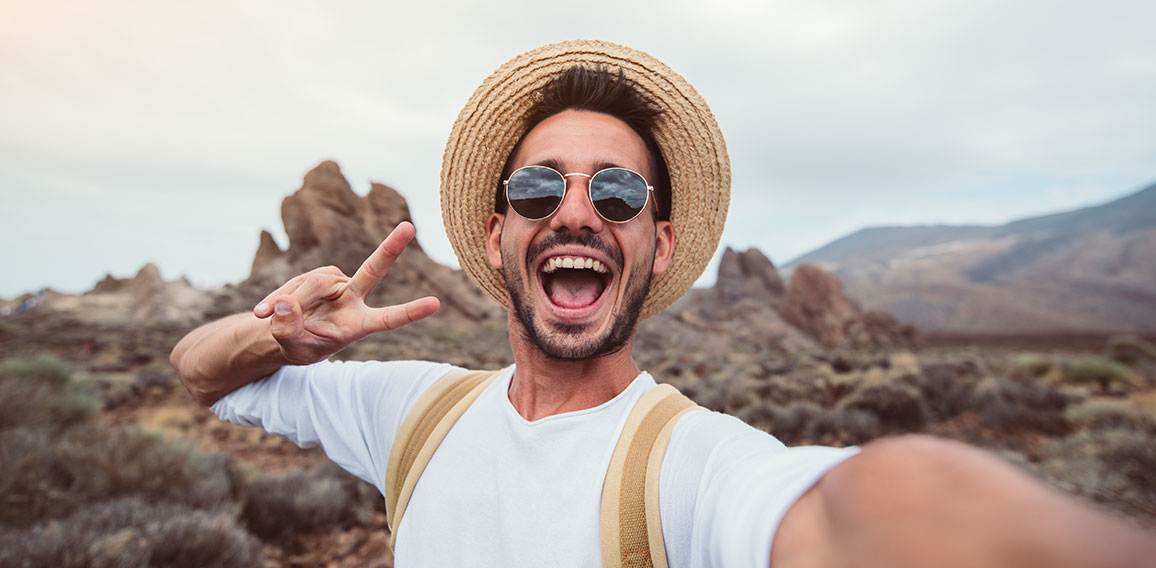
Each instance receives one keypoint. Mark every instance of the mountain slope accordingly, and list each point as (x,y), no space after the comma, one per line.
(1092,269)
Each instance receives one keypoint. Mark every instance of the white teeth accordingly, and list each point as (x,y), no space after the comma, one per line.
(556,262)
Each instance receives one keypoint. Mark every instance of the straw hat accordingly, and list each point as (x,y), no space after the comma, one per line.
(493,121)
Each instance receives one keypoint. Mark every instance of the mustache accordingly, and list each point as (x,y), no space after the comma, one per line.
(580,239)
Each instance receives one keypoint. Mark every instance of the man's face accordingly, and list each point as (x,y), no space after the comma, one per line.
(579,313)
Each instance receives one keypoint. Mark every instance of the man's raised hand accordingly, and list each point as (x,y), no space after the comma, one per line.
(319,313)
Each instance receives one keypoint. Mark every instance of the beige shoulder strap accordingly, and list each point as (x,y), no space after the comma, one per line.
(631,527)
(422,430)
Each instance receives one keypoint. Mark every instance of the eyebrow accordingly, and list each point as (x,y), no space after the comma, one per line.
(556,164)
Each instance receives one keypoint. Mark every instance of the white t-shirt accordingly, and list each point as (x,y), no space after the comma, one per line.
(503,491)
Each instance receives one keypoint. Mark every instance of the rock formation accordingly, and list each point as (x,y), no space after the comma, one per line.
(750,306)
(328,224)
(816,304)
(126,323)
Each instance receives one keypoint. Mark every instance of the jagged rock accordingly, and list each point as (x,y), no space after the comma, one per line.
(270,264)
(741,309)
(328,224)
(815,303)
(387,208)
(747,274)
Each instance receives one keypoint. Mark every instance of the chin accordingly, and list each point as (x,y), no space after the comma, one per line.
(577,341)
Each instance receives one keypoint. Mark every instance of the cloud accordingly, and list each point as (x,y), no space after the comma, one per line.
(134,130)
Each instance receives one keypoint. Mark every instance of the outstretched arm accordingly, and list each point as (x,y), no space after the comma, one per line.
(919,501)
(310,318)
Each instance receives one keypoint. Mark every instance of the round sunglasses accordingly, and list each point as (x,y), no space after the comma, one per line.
(617,194)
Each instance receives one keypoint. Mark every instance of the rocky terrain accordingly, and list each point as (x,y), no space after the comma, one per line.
(108,461)
(1087,270)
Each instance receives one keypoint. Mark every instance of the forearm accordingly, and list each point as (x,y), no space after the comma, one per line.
(922,502)
(220,357)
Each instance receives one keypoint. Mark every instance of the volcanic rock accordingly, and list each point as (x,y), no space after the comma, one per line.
(747,274)
(815,303)
(330,225)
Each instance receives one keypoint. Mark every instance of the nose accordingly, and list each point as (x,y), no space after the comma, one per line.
(576,213)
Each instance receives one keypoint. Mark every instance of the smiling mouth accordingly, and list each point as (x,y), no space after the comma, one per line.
(574,282)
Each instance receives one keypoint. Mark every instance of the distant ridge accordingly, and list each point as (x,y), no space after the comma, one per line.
(1129,213)
(1090,269)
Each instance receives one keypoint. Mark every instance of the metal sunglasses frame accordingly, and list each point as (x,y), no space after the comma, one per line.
(566,188)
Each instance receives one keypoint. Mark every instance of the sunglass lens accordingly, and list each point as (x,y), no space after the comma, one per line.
(535,192)
(618,194)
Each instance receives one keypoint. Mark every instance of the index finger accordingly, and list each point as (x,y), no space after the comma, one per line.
(370,273)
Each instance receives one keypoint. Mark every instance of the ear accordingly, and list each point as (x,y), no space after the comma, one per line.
(663,246)
(494,225)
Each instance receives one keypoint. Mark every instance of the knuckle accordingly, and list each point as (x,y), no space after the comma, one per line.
(372,271)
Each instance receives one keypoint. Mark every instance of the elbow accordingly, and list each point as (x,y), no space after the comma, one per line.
(183,366)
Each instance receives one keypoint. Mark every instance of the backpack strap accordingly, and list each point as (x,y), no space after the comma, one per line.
(631,527)
(422,430)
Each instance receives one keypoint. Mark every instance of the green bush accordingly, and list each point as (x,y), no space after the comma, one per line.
(1130,350)
(48,475)
(1030,366)
(1094,370)
(42,367)
(39,392)
(1109,414)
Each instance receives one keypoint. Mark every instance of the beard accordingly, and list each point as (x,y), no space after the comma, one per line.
(565,341)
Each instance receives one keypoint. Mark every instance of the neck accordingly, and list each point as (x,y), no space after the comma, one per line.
(544,386)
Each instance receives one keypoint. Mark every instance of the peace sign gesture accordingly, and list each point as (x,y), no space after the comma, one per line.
(319,313)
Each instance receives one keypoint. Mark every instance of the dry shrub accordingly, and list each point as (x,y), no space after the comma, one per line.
(132,532)
(844,428)
(1010,405)
(899,407)
(803,422)
(1113,467)
(946,389)
(282,507)
(784,390)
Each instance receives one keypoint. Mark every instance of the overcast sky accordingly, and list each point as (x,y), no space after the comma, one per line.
(163,131)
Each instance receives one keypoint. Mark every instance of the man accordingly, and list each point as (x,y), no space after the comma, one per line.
(584,186)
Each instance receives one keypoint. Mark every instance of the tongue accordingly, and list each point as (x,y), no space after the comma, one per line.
(574,288)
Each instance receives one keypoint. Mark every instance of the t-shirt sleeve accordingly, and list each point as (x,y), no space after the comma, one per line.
(351,409)
(731,485)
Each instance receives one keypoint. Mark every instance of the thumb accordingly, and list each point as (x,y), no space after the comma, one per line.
(287,323)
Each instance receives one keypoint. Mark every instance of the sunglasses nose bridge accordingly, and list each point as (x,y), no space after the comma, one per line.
(576,210)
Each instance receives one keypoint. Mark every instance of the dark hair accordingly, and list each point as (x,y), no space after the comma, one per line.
(597,89)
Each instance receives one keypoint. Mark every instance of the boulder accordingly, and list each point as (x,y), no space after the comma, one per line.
(748,274)
(816,304)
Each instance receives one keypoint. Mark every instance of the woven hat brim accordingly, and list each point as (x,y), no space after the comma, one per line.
(493,120)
